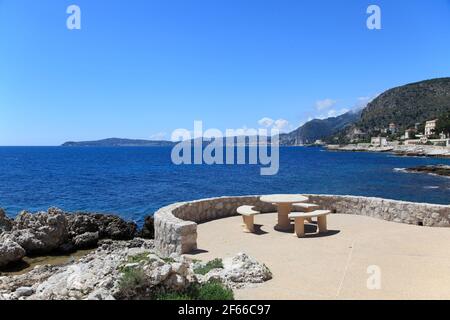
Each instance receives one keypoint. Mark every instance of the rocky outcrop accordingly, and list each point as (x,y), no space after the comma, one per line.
(440,170)
(6,224)
(57,231)
(10,251)
(38,233)
(400,150)
(107,226)
(86,240)
(104,275)
(148,229)
(126,270)
(240,271)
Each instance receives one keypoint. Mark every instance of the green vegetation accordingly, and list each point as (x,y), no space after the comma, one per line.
(138,258)
(173,296)
(212,290)
(443,124)
(132,279)
(168,260)
(407,105)
(213,264)
(319,129)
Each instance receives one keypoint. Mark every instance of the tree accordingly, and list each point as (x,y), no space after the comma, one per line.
(443,124)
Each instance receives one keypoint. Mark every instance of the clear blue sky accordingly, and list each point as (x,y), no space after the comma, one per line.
(140,68)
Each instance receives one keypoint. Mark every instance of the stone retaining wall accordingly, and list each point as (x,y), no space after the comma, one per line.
(176,224)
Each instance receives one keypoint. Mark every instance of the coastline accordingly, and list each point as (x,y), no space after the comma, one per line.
(399,150)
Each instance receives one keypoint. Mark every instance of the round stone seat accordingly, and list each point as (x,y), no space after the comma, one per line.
(247,211)
(312,214)
(300,217)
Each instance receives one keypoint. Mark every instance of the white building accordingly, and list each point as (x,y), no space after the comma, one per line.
(409,134)
(430,127)
(379,141)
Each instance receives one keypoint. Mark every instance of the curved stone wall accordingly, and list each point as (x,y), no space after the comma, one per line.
(176,224)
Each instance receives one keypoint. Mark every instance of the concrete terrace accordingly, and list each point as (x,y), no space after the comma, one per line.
(414,260)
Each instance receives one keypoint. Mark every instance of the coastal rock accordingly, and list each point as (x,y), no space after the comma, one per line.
(10,251)
(86,240)
(100,294)
(107,226)
(24,292)
(6,224)
(101,275)
(122,270)
(148,229)
(41,232)
(78,224)
(240,271)
(113,227)
(84,279)
(30,279)
(440,170)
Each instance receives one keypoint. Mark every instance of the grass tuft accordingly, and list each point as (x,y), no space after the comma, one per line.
(213,264)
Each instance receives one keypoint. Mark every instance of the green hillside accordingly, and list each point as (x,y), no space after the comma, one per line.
(407,105)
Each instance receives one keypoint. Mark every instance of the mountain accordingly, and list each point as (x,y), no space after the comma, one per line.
(308,133)
(407,105)
(117,142)
(318,129)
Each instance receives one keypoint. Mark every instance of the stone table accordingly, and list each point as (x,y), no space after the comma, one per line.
(284,204)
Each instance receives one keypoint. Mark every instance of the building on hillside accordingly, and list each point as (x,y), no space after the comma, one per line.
(412,142)
(379,141)
(409,134)
(357,135)
(392,128)
(319,143)
(423,140)
(430,127)
(357,131)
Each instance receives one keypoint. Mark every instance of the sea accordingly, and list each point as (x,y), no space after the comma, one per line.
(134,182)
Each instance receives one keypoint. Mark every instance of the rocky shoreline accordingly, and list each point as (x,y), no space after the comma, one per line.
(56,231)
(122,264)
(439,170)
(400,150)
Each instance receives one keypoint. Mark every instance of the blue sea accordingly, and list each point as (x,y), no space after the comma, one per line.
(134,182)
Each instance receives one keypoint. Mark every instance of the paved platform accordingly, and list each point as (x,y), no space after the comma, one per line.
(414,261)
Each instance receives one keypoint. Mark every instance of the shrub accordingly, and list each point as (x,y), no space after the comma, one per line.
(168,260)
(213,264)
(173,296)
(212,290)
(132,280)
(138,258)
(215,290)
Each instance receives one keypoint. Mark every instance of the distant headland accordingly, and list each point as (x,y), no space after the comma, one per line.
(118,142)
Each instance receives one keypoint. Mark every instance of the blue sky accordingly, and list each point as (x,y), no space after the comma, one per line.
(139,69)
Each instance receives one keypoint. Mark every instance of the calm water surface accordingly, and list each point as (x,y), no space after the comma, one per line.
(134,182)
